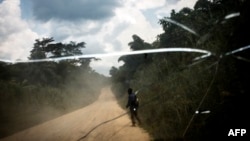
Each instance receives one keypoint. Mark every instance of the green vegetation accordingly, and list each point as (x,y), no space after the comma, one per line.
(171,89)
(32,93)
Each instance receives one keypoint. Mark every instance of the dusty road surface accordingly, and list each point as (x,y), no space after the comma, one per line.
(103,120)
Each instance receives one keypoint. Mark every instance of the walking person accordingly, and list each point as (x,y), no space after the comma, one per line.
(133,105)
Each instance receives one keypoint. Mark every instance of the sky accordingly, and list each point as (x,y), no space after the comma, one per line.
(105,26)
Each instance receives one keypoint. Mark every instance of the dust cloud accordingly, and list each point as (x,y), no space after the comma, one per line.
(33,105)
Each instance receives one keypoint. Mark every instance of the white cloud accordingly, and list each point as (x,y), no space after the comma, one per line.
(16,38)
(147,4)
(134,22)
(138,24)
(17,45)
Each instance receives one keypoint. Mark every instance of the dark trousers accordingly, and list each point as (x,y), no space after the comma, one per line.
(134,115)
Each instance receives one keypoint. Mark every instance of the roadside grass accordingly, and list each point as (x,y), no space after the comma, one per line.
(22,107)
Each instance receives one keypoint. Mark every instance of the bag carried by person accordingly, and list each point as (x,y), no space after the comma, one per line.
(135,101)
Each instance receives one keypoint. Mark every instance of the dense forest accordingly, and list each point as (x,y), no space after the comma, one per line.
(34,92)
(186,99)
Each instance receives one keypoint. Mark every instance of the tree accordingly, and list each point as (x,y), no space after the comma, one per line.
(53,73)
(39,49)
(113,71)
(133,62)
(4,72)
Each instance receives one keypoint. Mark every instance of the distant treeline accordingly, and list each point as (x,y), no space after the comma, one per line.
(32,93)
(183,99)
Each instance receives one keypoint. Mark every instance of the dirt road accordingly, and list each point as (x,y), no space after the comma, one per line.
(83,124)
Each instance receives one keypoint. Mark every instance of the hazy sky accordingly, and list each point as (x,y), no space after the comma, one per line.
(104,25)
